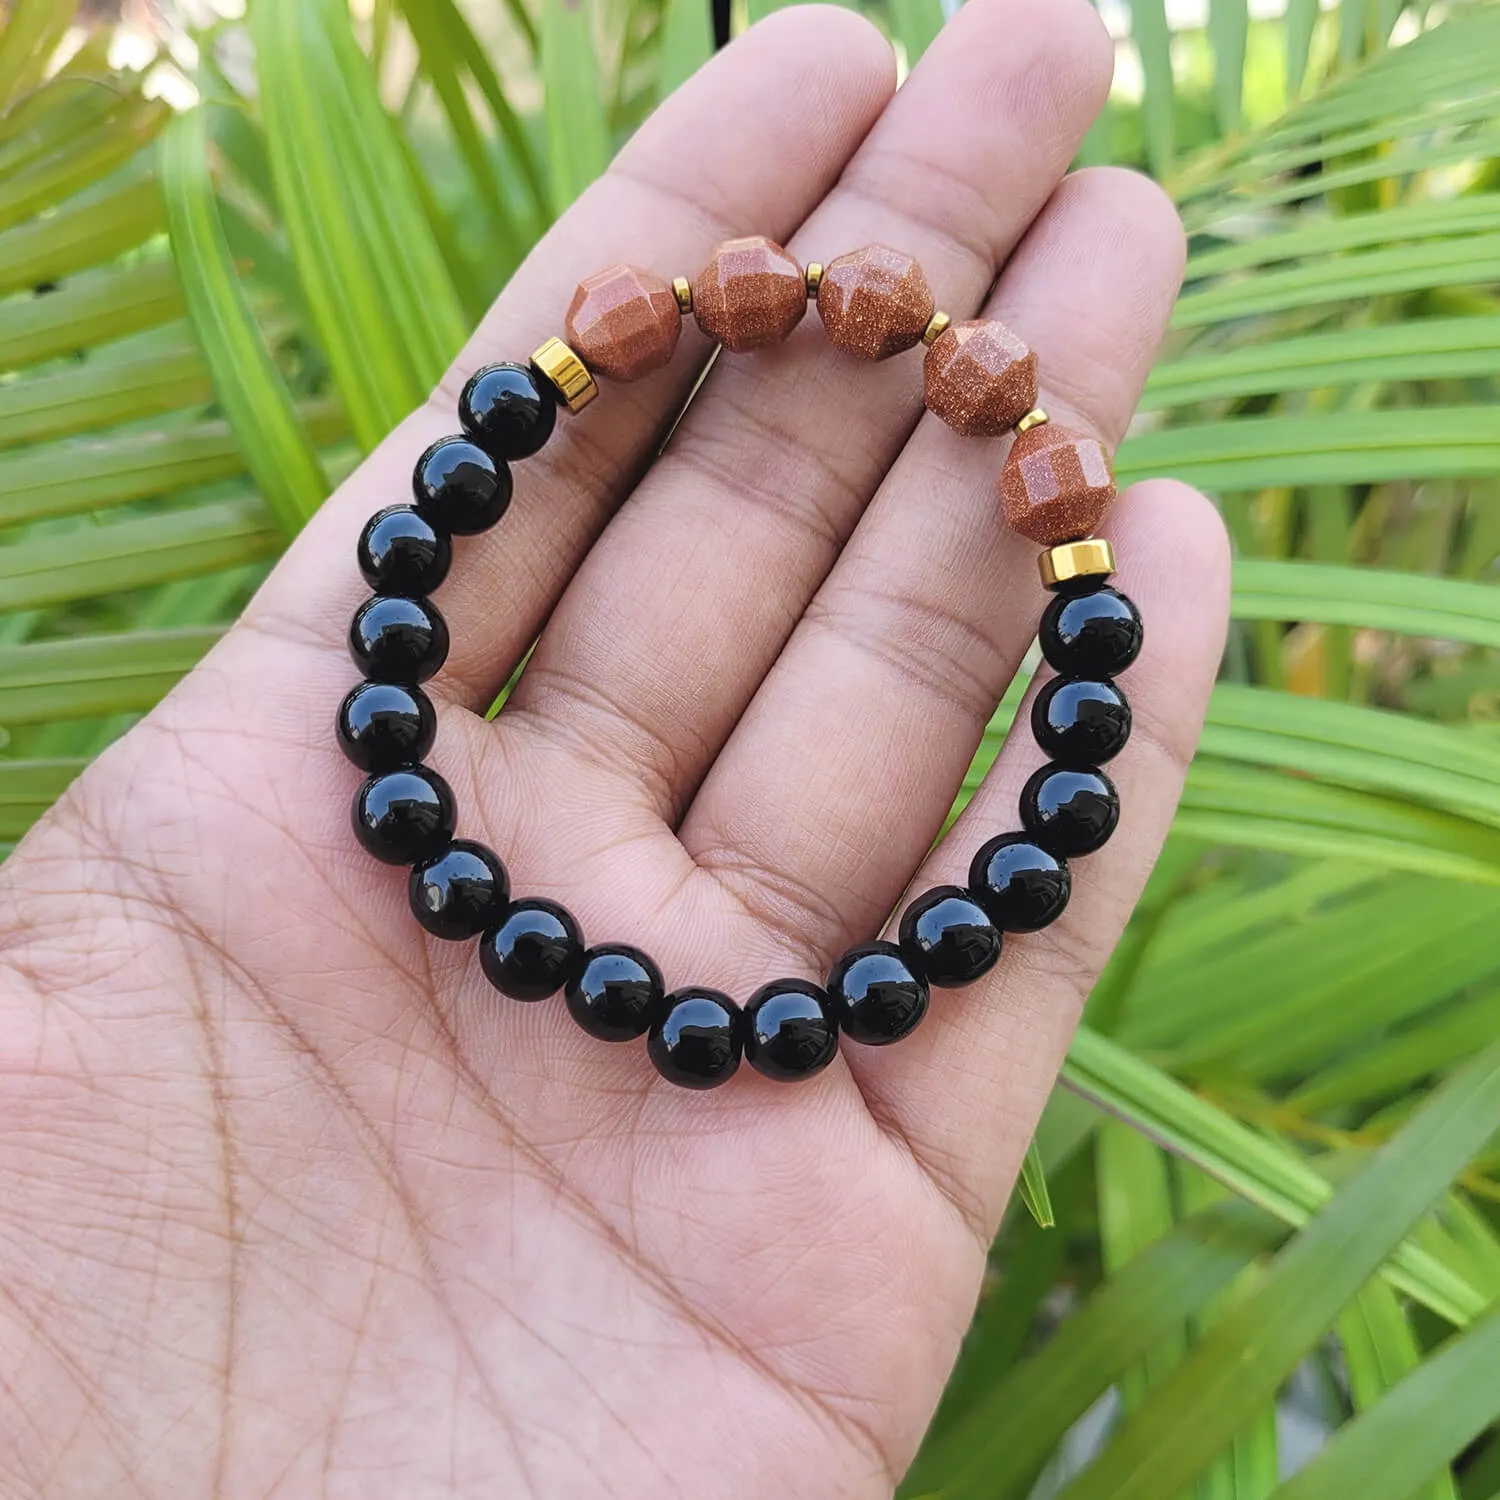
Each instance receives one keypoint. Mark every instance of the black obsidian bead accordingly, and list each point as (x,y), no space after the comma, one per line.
(507,411)
(533,951)
(1070,810)
(1019,883)
(401,552)
(616,993)
(694,1040)
(1097,634)
(398,640)
(382,725)
(460,892)
(874,996)
(1080,721)
(789,1031)
(459,487)
(404,816)
(948,938)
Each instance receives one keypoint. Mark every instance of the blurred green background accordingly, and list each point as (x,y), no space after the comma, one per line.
(236,248)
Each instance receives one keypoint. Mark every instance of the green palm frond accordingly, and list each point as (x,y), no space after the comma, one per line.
(206,316)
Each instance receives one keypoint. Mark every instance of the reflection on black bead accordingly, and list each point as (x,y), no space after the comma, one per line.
(948,938)
(1070,810)
(382,725)
(507,411)
(401,552)
(1080,721)
(460,892)
(874,996)
(1019,883)
(398,640)
(460,486)
(789,1031)
(1097,634)
(402,817)
(533,951)
(694,1039)
(615,994)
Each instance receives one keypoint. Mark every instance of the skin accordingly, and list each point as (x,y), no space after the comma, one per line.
(294,1204)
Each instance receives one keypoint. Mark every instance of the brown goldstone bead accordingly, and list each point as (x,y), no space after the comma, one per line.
(980,378)
(1056,484)
(874,302)
(751,294)
(624,322)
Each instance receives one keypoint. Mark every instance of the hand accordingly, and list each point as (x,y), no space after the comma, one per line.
(293,1202)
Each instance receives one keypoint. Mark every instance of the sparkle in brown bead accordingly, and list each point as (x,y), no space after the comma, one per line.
(980,378)
(751,294)
(874,302)
(624,322)
(1056,485)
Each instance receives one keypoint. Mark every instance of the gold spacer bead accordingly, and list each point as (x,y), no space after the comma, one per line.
(936,328)
(1093,557)
(567,374)
(1034,418)
(814,277)
(682,289)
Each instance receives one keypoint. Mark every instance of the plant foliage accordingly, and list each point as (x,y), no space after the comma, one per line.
(1273,1155)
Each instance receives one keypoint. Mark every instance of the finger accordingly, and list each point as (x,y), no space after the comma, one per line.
(751,142)
(733,530)
(901,658)
(965,1089)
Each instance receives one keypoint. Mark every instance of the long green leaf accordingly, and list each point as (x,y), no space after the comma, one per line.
(139,553)
(32,30)
(1337,448)
(277,447)
(1392,1450)
(1260,1170)
(104,393)
(387,314)
(89,676)
(63,479)
(1206,1400)
(29,788)
(79,236)
(89,310)
(577,135)
(996,1448)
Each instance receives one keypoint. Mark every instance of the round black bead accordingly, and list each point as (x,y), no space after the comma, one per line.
(789,1032)
(382,725)
(874,996)
(398,640)
(1079,721)
(460,487)
(1019,883)
(1070,810)
(460,892)
(1097,634)
(401,552)
(948,938)
(533,950)
(404,816)
(616,993)
(694,1039)
(507,411)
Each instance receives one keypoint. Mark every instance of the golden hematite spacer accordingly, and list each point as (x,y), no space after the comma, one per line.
(814,277)
(1034,418)
(1093,557)
(568,374)
(682,289)
(936,328)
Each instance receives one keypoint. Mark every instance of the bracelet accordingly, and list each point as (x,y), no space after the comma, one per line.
(624,322)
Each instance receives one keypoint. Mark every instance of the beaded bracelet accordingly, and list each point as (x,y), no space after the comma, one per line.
(1056,485)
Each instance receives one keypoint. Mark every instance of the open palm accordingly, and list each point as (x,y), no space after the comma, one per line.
(291,1201)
